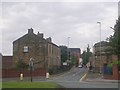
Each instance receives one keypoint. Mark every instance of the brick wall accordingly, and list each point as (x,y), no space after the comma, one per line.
(7,62)
(10,73)
(116,75)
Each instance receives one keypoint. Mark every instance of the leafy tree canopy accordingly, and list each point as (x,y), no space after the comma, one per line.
(64,53)
(114,40)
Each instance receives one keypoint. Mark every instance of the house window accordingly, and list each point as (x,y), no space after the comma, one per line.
(25,49)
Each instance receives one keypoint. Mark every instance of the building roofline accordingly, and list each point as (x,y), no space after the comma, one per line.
(30,31)
(53,44)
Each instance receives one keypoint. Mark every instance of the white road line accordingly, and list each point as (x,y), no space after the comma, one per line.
(83,77)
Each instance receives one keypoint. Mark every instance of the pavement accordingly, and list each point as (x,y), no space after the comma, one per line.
(91,76)
(41,78)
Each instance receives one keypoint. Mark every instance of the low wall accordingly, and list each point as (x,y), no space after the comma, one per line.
(9,73)
(110,77)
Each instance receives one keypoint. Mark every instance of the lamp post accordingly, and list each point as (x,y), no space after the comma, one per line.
(68,49)
(100,45)
(31,67)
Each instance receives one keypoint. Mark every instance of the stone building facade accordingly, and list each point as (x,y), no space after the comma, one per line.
(45,54)
(106,56)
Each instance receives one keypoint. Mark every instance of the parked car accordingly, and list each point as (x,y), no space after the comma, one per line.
(80,66)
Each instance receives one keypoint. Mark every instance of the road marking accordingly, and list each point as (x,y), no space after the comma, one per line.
(83,77)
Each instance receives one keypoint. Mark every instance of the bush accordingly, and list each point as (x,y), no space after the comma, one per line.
(50,71)
(21,65)
(114,62)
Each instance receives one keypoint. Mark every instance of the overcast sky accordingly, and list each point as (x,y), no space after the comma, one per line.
(59,20)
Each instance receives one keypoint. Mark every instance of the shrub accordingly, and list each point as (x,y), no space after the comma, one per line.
(21,65)
(114,62)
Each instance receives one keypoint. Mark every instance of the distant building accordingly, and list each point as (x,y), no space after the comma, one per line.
(45,54)
(75,54)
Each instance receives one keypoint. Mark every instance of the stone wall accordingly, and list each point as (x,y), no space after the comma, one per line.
(45,54)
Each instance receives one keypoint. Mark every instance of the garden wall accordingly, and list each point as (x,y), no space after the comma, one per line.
(11,73)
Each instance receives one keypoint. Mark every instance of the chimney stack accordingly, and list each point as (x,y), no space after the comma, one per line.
(49,39)
(30,30)
(40,35)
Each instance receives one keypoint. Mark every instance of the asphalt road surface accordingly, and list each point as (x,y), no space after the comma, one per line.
(72,78)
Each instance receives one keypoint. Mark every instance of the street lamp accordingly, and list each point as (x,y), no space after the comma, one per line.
(100,44)
(68,49)
(31,67)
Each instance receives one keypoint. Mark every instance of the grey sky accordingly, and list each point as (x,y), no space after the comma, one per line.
(58,20)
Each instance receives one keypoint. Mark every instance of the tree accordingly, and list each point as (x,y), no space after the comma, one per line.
(86,55)
(114,40)
(64,53)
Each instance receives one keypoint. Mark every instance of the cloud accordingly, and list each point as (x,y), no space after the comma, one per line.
(58,20)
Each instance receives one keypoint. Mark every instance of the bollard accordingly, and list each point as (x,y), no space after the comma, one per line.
(47,75)
(21,76)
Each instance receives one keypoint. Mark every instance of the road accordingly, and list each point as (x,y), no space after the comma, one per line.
(72,78)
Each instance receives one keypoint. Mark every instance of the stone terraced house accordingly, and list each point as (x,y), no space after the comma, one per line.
(45,54)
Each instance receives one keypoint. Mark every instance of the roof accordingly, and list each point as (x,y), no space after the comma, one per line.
(75,50)
(103,43)
(24,37)
(33,37)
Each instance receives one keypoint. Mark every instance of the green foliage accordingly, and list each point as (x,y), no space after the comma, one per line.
(110,65)
(29,85)
(21,65)
(86,55)
(64,53)
(114,62)
(73,60)
(114,40)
